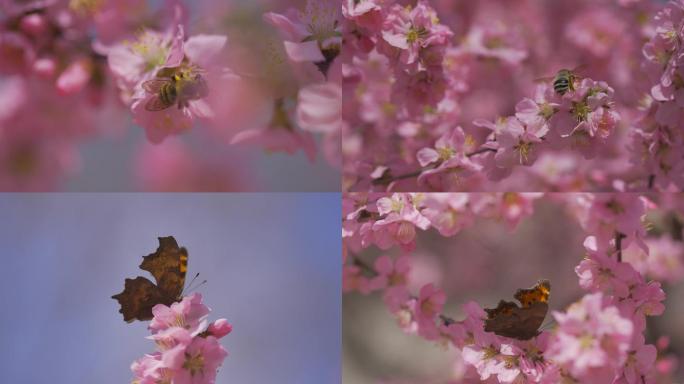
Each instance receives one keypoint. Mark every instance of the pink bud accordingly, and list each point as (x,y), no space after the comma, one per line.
(45,67)
(34,24)
(220,328)
(75,77)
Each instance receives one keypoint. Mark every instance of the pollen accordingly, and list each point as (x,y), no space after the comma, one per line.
(415,34)
(546,110)
(445,153)
(524,150)
(580,110)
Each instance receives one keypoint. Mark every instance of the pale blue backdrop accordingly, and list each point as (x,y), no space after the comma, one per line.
(272,262)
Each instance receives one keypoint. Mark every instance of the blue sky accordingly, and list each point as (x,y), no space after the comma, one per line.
(272,262)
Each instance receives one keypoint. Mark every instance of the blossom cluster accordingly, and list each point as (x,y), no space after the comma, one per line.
(658,140)
(73,71)
(188,349)
(427,79)
(601,338)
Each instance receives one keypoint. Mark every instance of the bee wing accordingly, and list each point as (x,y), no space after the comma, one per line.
(544,79)
(155,85)
(577,71)
(155,103)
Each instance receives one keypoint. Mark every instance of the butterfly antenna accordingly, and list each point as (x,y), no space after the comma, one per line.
(191,281)
(195,287)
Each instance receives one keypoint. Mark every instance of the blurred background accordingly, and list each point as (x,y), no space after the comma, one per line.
(485,263)
(271,261)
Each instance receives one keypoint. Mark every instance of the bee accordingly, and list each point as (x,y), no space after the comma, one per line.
(564,80)
(178,88)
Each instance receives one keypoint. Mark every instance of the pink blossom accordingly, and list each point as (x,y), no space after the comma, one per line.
(592,339)
(198,362)
(398,225)
(448,213)
(640,360)
(428,307)
(187,314)
(600,272)
(312,36)
(664,260)
(392,277)
(412,31)
(451,164)
(519,144)
(188,350)
(186,59)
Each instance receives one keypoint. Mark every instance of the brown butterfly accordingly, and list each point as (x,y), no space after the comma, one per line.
(522,323)
(168,265)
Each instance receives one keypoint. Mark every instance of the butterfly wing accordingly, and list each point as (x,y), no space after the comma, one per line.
(522,323)
(515,322)
(138,298)
(168,265)
(538,293)
(502,319)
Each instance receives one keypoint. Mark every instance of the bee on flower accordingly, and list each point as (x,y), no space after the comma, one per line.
(160,71)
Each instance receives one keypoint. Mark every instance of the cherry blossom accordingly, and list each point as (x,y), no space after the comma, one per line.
(188,350)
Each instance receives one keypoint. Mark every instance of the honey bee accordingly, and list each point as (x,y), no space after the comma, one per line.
(178,88)
(564,80)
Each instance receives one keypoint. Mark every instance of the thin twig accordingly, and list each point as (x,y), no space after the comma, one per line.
(410,175)
(618,244)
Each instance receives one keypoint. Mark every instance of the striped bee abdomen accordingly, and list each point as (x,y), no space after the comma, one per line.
(168,94)
(561,85)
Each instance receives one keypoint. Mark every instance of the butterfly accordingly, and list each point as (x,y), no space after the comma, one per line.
(522,323)
(168,265)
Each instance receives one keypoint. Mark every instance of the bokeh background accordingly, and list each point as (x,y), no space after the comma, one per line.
(271,261)
(486,263)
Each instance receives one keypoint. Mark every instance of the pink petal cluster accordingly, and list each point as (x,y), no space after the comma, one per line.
(592,339)
(658,144)
(312,40)
(188,350)
(663,262)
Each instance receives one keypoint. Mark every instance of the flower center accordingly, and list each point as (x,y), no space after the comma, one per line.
(546,110)
(415,34)
(524,150)
(586,341)
(322,20)
(194,364)
(445,153)
(152,50)
(580,110)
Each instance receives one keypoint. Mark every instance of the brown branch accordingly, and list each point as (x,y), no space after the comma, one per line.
(387,180)
(618,244)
